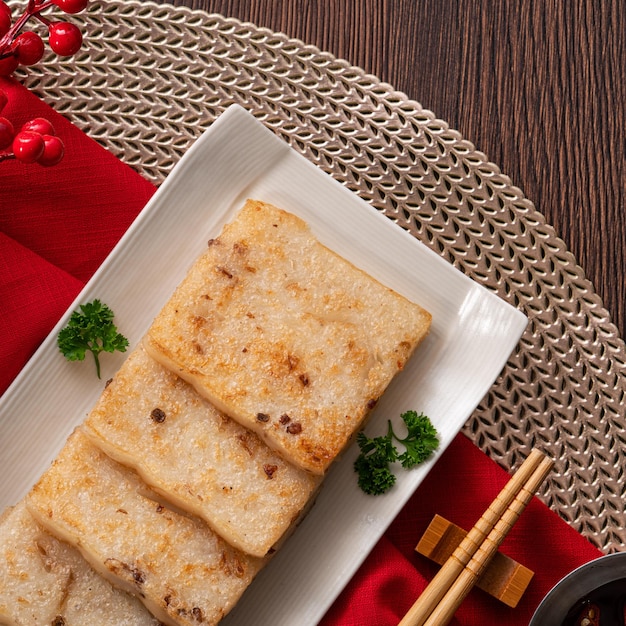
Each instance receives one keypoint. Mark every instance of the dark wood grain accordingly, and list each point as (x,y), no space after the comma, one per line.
(539,86)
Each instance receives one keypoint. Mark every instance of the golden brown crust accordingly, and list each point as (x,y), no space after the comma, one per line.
(173,563)
(196,457)
(45,581)
(285,336)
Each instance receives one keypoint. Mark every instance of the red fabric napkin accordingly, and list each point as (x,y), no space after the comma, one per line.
(56,227)
(460,487)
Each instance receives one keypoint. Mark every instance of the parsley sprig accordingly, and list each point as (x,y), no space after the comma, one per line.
(378,453)
(90,329)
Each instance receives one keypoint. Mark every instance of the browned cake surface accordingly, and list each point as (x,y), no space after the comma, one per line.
(44,581)
(285,336)
(182,571)
(195,456)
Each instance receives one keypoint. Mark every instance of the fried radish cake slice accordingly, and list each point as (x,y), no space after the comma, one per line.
(285,336)
(45,582)
(181,570)
(196,457)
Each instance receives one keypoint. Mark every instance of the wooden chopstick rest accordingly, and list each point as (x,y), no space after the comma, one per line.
(504,578)
(452,568)
(445,610)
(451,580)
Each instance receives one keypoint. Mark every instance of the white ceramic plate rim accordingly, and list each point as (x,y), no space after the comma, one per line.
(472,336)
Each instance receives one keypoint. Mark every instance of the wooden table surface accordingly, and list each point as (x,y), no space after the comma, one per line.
(539,87)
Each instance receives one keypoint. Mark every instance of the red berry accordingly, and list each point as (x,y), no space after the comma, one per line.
(28,146)
(6,133)
(5,18)
(65,38)
(8,65)
(52,152)
(29,47)
(4,99)
(71,6)
(39,125)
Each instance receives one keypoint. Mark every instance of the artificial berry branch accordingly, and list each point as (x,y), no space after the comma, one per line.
(36,141)
(27,48)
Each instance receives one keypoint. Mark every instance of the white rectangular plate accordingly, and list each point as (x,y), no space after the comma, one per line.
(472,336)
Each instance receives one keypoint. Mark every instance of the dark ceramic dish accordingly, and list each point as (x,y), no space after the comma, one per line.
(597,588)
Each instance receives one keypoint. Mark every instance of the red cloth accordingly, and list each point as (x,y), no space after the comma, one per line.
(460,487)
(58,224)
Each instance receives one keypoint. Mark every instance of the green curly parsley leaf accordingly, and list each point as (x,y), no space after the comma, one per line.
(90,329)
(421,441)
(373,463)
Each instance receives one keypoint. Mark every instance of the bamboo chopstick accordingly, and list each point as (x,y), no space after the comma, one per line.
(444,611)
(526,480)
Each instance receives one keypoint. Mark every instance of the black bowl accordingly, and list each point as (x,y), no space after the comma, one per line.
(601,581)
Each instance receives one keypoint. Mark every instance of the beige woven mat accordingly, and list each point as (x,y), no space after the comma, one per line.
(152,77)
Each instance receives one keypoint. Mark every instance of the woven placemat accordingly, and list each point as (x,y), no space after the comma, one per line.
(151,78)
